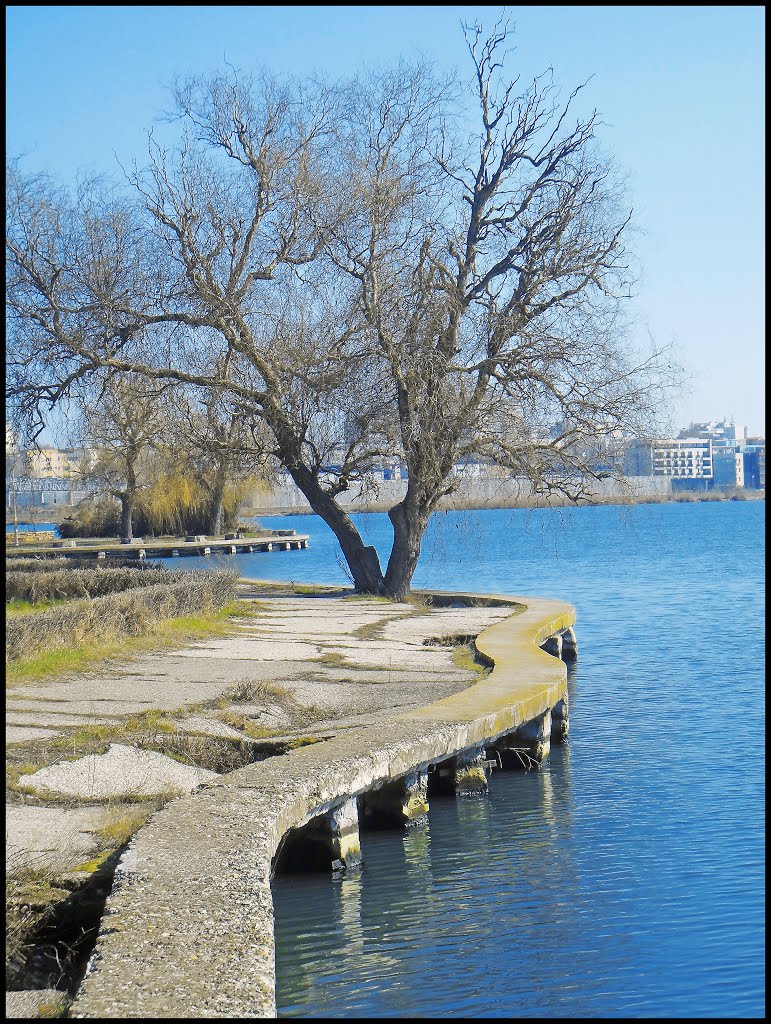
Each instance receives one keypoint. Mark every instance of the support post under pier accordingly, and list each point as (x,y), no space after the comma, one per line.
(404,801)
(329,841)
(569,644)
(528,745)
(469,772)
(553,645)
(559,720)
(343,823)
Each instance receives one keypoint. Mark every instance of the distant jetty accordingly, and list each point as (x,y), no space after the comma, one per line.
(231,544)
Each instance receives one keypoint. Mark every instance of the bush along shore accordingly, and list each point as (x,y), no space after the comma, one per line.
(109,604)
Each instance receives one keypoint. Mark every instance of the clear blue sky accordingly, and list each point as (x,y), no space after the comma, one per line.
(680,89)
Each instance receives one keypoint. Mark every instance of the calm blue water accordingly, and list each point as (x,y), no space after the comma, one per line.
(626,878)
(32,527)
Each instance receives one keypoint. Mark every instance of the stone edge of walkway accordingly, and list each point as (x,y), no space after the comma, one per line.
(188,928)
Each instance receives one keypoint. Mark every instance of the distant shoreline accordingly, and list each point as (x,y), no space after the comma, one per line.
(465,505)
(62,512)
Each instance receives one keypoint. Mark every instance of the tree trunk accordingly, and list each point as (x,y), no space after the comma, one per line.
(409,524)
(362,559)
(216,502)
(126,515)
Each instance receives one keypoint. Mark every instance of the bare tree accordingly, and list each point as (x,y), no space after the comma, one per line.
(364,272)
(121,422)
(16,466)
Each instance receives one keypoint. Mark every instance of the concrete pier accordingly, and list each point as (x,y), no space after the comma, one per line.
(163,548)
(188,928)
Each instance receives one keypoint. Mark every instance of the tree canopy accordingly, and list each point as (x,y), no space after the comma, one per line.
(390,266)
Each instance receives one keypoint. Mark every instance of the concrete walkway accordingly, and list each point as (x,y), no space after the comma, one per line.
(353,691)
(188,929)
(302,666)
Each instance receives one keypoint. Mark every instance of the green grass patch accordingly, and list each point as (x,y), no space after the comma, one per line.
(312,590)
(19,607)
(92,865)
(91,739)
(117,832)
(468,659)
(332,658)
(247,726)
(14,772)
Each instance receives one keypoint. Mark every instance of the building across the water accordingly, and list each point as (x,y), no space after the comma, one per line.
(718,455)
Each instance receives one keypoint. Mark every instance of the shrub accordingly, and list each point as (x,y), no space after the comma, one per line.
(59,562)
(66,583)
(92,519)
(118,615)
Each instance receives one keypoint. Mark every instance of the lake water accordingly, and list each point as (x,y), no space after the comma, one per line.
(32,527)
(626,877)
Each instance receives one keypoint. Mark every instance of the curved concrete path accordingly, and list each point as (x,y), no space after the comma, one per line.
(188,929)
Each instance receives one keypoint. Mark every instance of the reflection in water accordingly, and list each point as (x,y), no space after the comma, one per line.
(349,888)
(422,902)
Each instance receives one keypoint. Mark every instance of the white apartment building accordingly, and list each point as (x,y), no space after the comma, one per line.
(686,458)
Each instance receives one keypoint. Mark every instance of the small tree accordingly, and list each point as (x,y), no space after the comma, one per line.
(217,445)
(16,466)
(123,421)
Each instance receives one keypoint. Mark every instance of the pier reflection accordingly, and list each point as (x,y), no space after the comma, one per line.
(371,941)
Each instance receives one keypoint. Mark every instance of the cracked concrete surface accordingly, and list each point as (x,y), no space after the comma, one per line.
(322,667)
(356,658)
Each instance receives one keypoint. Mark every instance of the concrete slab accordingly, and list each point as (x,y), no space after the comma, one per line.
(257,648)
(443,622)
(118,773)
(45,1002)
(53,838)
(23,733)
(207,726)
(32,718)
(268,715)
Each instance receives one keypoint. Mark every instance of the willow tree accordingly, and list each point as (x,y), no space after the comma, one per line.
(367,270)
(217,448)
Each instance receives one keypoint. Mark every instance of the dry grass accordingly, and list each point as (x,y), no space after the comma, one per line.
(249,691)
(115,617)
(246,725)
(116,833)
(37,587)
